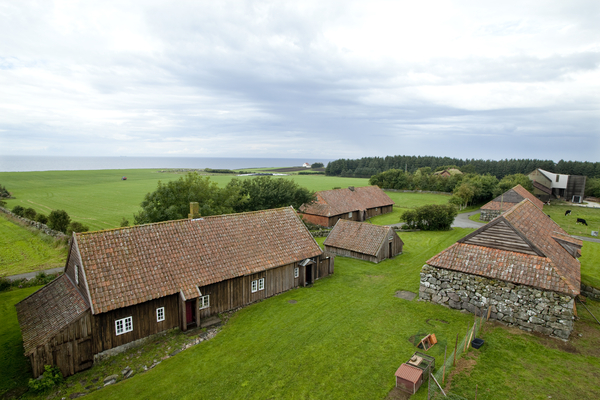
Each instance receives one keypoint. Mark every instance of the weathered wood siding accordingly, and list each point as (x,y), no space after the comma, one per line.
(144,322)
(352,254)
(70,349)
(74,260)
(382,253)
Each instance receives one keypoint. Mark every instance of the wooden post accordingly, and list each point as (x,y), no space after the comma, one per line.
(475,391)
(455,349)
(444,371)
(489,312)
(471,335)
(466,337)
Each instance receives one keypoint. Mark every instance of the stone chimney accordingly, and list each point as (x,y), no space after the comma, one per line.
(194,210)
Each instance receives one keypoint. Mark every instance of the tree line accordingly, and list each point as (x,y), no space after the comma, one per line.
(369,166)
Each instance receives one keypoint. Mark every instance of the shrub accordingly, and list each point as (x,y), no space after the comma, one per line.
(76,227)
(59,220)
(51,377)
(4,193)
(41,218)
(18,210)
(29,213)
(124,222)
(317,165)
(431,217)
(5,284)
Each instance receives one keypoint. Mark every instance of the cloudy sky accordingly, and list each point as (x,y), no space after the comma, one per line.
(322,79)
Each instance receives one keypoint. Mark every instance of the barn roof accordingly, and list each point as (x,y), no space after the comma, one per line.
(360,237)
(49,310)
(522,246)
(511,197)
(340,201)
(136,264)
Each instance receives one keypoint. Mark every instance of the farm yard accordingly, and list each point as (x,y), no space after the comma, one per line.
(344,337)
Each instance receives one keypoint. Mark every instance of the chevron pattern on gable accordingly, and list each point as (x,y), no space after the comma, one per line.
(501,235)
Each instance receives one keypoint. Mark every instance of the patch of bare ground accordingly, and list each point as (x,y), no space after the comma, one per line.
(464,365)
(397,394)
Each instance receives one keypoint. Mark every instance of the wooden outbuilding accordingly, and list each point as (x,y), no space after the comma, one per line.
(408,378)
(506,201)
(126,284)
(353,203)
(363,241)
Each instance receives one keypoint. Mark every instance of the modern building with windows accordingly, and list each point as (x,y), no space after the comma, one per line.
(126,284)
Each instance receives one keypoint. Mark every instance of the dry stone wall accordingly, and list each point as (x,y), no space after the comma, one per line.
(37,225)
(528,308)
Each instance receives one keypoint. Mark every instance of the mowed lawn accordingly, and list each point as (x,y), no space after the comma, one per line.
(100,199)
(23,250)
(404,201)
(569,222)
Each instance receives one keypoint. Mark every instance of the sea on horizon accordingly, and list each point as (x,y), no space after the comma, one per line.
(59,163)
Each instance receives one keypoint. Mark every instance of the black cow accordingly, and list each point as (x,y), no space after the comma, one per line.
(582,221)
(568,212)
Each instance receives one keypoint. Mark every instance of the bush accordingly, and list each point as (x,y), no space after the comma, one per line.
(59,220)
(4,193)
(432,217)
(29,213)
(124,222)
(76,227)
(51,377)
(18,210)
(41,218)
(5,284)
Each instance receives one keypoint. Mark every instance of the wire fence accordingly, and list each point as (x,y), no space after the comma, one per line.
(460,346)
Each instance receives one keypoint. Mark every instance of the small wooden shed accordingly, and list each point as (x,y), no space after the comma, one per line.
(363,241)
(409,378)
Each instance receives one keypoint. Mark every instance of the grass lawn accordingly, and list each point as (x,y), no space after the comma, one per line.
(568,223)
(23,250)
(14,367)
(475,217)
(404,201)
(590,264)
(100,199)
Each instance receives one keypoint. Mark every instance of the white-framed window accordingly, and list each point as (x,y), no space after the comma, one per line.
(254,286)
(124,325)
(77,274)
(160,314)
(204,301)
(296,272)
(350,214)
(261,283)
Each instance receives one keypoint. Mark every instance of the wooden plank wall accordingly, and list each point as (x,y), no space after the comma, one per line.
(144,322)
(352,254)
(70,349)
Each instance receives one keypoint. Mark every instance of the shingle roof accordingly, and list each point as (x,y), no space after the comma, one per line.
(132,265)
(47,311)
(360,237)
(511,197)
(538,259)
(340,201)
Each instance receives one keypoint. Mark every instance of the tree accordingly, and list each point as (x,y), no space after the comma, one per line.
(41,218)
(29,213)
(317,165)
(59,220)
(4,193)
(264,192)
(18,210)
(510,181)
(462,195)
(124,222)
(172,200)
(431,217)
(76,227)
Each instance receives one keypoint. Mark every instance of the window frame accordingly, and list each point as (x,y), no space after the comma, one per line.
(204,302)
(125,326)
(254,287)
(261,284)
(296,272)
(350,214)
(160,314)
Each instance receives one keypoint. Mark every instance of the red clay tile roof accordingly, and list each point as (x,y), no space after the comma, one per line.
(511,197)
(360,237)
(409,373)
(340,201)
(132,265)
(47,311)
(555,268)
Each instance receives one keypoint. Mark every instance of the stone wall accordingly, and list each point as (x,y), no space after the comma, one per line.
(590,292)
(37,225)
(488,215)
(528,308)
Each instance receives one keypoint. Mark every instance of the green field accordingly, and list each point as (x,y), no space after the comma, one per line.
(100,199)
(404,201)
(26,250)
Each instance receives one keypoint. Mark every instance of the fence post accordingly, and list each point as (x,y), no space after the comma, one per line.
(444,370)
(455,350)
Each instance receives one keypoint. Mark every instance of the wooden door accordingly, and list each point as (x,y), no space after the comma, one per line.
(190,315)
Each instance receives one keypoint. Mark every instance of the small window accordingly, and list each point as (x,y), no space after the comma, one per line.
(254,286)
(350,214)
(557,178)
(261,283)
(391,238)
(160,314)
(124,325)
(204,301)
(77,274)
(296,272)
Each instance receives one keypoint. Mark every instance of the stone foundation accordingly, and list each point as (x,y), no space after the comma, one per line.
(523,306)
(488,215)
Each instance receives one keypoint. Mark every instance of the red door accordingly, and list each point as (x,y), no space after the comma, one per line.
(189,312)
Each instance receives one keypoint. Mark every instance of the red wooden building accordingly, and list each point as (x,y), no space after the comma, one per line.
(126,284)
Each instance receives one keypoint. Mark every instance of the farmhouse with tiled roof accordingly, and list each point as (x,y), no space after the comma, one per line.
(353,203)
(507,200)
(522,266)
(125,284)
(363,241)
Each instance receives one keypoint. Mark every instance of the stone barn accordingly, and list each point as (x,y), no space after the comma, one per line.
(353,203)
(363,241)
(507,200)
(522,265)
